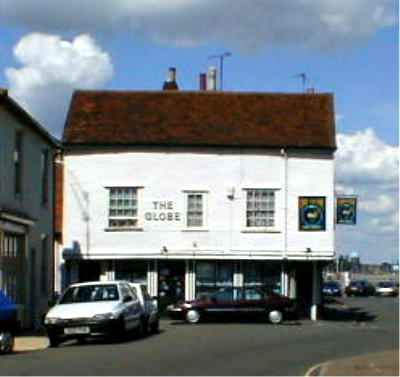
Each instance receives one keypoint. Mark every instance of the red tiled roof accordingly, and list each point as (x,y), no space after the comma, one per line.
(201,119)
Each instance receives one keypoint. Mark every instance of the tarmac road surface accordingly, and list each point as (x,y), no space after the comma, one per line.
(360,326)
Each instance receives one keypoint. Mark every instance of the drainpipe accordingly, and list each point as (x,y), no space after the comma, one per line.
(285,280)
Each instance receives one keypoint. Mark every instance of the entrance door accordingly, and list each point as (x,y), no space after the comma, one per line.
(304,274)
(171,282)
(89,271)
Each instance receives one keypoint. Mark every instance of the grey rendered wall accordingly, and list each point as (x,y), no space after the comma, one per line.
(29,202)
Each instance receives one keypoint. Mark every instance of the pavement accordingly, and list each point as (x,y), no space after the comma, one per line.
(384,363)
(30,343)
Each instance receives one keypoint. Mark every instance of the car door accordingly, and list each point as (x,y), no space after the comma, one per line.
(221,303)
(252,302)
(131,307)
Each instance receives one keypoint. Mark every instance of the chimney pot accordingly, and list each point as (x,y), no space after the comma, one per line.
(171,74)
(170,83)
(203,81)
(212,79)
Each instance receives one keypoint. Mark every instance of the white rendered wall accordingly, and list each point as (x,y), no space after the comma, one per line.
(164,175)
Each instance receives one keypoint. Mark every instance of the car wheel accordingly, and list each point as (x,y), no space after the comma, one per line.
(193,316)
(275,317)
(81,340)
(54,341)
(6,342)
(141,329)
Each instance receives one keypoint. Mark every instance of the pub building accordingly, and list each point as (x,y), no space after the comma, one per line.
(192,191)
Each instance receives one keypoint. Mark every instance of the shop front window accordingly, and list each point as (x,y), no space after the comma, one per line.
(264,275)
(133,271)
(212,276)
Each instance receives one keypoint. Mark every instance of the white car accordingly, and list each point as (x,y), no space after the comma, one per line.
(96,308)
(149,306)
(386,288)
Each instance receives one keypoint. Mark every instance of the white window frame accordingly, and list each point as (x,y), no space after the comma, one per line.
(138,216)
(204,195)
(261,229)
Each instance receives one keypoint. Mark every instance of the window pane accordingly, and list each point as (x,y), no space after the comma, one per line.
(194,212)
(260,208)
(122,203)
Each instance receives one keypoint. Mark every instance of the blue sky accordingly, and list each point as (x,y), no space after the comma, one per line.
(348,48)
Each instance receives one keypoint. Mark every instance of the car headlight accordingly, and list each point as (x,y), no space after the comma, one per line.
(52,320)
(105,316)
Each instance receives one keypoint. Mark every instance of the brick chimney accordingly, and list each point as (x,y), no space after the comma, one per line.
(170,83)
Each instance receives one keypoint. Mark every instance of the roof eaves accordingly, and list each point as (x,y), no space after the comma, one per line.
(33,123)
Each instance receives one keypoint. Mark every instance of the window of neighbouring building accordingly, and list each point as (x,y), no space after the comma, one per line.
(195,209)
(12,261)
(45,176)
(212,276)
(133,271)
(123,208)
(260,208)
(265,275)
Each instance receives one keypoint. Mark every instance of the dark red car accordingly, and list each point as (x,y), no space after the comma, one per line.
(229,302)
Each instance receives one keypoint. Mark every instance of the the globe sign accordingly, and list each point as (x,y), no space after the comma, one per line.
(347,211)
(313,214)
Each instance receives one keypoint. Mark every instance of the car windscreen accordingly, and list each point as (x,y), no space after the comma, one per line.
(331,285)
(385,284)
(90,293)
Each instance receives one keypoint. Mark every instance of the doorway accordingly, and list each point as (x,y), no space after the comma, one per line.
(89,271)
(171,282)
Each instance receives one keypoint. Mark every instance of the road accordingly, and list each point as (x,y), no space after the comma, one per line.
(362,325)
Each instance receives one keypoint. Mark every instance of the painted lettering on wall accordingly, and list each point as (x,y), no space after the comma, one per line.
(162,211)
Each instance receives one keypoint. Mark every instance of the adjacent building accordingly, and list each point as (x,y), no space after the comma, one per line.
(189,192)
(26,210)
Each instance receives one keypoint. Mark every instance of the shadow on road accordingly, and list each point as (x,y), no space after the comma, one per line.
(346,314)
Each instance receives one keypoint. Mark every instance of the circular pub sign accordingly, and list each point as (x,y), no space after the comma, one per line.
(312,213)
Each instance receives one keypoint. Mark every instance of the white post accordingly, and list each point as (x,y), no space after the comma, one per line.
(284,280)
(152,277)
(188,285)
(315,293)
(111,270)
(193,280)
(238,275)
(292,284)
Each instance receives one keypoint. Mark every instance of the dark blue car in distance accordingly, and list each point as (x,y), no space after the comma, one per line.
(332,288)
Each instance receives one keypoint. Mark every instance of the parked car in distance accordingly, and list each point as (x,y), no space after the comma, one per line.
(101,308)
(360,288)
(150,316)
(332,288)
(8,324)
(231,302)
(386,288)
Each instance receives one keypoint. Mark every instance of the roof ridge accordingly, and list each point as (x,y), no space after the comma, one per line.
(199,92)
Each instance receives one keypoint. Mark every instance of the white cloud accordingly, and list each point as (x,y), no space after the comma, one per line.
(379,204)
(246,24)
(50,69)
(362,157)
(369,168)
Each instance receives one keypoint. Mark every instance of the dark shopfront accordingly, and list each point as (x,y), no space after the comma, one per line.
(171,282)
